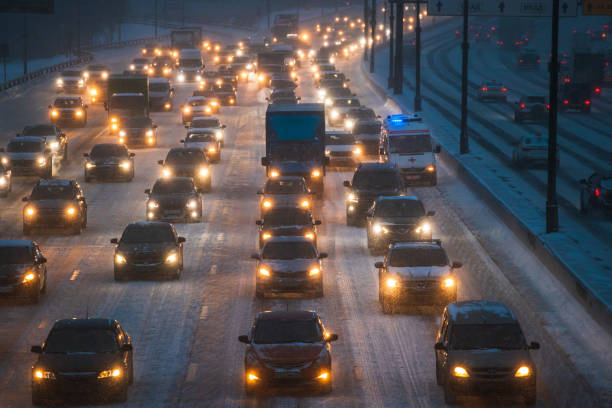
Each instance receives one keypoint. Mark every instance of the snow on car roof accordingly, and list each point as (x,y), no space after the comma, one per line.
(480,312)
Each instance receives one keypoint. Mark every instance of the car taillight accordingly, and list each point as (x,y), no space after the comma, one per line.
(538,61)
(566,101)
(484,89)
(566,80)
(521,60)
(547,106)
(597,192)
(587,102)
(597,90)
(522,106)
(504,89)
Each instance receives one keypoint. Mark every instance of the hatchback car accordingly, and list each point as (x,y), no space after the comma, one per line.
(287,221)
(283,191)
(87,358)
(23,270)
(108,161)
(148,248)
(480,348)
(289,265)
(287,348)
(188,162)
(174,198)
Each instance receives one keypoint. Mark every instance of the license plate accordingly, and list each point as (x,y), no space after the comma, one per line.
(412,177)
(285,375)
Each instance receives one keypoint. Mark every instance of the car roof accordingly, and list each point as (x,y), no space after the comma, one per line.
(480,312)
(206,118)
(55,182)
(169,179)
(372,166)
(432,244)
(110,144)
(398,198)
(281,315)
(195,98)
(95,323)
(289,238)
(16,243)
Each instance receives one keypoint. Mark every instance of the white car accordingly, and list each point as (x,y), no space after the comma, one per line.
(532,150)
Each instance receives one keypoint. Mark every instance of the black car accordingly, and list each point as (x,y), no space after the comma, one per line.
(310,171)
(287,348)
(396,218)
(575,96)
(289,265)
(367,134)
(370,181)
(287,221)
(532,107)
(138,131)
(109,161)
(528,59)
(87,358)
(284,191)
(23,272)
(596,192)
(147,248)
(188,162)
(226,93)
(6,180)
(68,110)
(480,348)
(28,156)
(174,198)
(55,139)
(55,204)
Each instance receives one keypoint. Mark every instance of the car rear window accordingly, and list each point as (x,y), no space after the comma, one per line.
(487,336)
(289,250)
(287,331)
(15,255)
(415,257)
(75,340)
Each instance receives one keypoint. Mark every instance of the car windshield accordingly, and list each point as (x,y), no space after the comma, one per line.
(339,139)
(191,63)
(384,179)
(108,150)
(52,192)
(159,86)
(224,88)
(197,102)
(287,217)
(38,130)
(137,122)
(67,103)
(399,208)
(287,331)
(205,123)
(284,187)
(24,147)
(87,340)
(362,114)
(140,61)
(414,257)
(535,99)
(173,186)
(15,255)
(71,73)
(185,157)
(409,144)
(200,137)
(366,129)
(289,250)
(282,83)
(135,234)
(487,336)
(346,102)
(338,92)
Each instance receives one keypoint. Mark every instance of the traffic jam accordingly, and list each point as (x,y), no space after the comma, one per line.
(323,170)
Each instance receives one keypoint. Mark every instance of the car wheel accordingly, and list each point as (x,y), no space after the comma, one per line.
(250,390)
(86,177)
(319,292)
(434,180)
(177,274)
(44,286)
(450,397)
(259,294)
(387,306)
(530,397)
(327,388)
(76,230)
(131,370)
(122,395)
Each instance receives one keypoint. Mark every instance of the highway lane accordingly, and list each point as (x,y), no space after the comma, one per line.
(185,332)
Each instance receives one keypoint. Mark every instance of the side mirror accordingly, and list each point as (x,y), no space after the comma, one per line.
(317,222)
(50,107)
(181,240)
(25,199)
(265,161)
(583,181)
(114,241)
(36,349)
(332,337)
(42,260)
(437,149)
(243,339)
(431,213)
(154,126)
(148,191)
(259,222)
(182,141)
(132,154)
(186,126)
(260,192)
(534,345)
(456,265)
(381,151)
(85,154)
(160,162)
(346,183)
(379,265)
(439,346)
(323,255)
(255,256)
(126,347)
(223,126)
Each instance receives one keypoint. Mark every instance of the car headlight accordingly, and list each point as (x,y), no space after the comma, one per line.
(267,204)
(114,126)
(314,271)
(54,113)
(219,135)
(430,168)
(252,377)
(192,204)
(305,204)
(29,277)
(321,93)
(203,172)
(212,149)
(78,113)
(132,67)
(261,78)
(152,204)
(125,165)
(335,114)
(310,235)
(323,376)
(424,228)
(181,77)
(327,152)
(264,272)
(166,172)
(42,374)
(348,124)
(30,211)
(186,109)
(70,211)
(213,103)
(172,258)
(357,151)
(523,371)
(54,145)
(93,92)
(59,82)
(151,71)
(104,75)
(2,181)
(377,228)
(120,259)
(207,109)
(149,132)
(316,173)
(122,133)
(266,235)
(167,105)
(89,165)
(274,173)
(249,66)
(391,283)
(115,372)
(328,101)
(448,282)
(459,371)
(41,161)
(4,160)
(352,198)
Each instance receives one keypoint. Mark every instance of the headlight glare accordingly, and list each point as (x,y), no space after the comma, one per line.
(172,258)
(459,371)
(119,259)
(523,371)
(314,271)
(391,283)
(264,272)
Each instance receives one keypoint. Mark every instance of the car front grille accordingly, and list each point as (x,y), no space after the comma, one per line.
(296,275)
(491,373)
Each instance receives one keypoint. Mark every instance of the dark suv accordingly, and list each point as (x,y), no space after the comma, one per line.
(188,162)
(479,348)
(109,161)
(396,218)
(287,348)
(174,198)
(370,181)
(146,248)
(55,204)
(27,156)
(22,269)
(533,107)
(83,358)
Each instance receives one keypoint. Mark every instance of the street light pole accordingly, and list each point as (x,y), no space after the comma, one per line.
(365,29)
(373,33)
(25,44)
(463,137)
(391,44)
(155,19)
(398,82)
(417,59)
(552,213)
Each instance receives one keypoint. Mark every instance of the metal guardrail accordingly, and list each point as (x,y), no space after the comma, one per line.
(83,59)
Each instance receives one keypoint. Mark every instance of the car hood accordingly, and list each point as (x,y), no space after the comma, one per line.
(51,204)
(200,145)
(420,272)
(490,358)
(290,265)
(289,199)
(340,148)
(376,192)
(289,353)
(398,220)
(187,167)
(80,362)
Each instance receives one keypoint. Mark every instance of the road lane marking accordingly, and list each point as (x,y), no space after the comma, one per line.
(213,269)
(75,274)
(220,237)
(191,372)
(204,312)
(358,372)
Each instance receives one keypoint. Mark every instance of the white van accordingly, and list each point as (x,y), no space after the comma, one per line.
(407,144)
(190,65)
